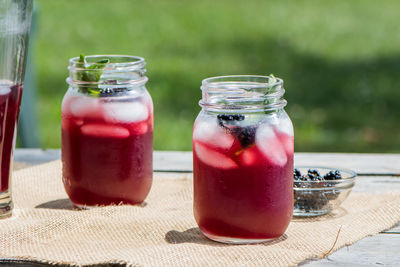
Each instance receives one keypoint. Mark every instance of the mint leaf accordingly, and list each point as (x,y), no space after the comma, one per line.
(89,74)
(271,83)
(272,80)
(81,58)
(94,71)
(80,64)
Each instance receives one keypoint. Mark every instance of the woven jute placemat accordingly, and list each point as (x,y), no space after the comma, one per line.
(20,165)
(162,232)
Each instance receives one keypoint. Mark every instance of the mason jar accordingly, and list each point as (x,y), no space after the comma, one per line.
(107,131)
(243,160)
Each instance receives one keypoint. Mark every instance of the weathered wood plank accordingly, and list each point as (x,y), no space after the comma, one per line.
(383,164)
(367,164)
(36,156)
(394,230)
(366,184)
(377,184)
(379,250)
(173,161)
(375,164)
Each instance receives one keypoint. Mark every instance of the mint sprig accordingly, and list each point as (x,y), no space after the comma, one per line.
(90,74)
(80,64)
(272,80)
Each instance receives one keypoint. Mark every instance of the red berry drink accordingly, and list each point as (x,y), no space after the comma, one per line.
(107,132)
(243,174)
(10,99)
(15,22)
(107,151)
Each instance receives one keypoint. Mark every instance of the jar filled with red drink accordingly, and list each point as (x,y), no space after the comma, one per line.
(243,160)
(107,131)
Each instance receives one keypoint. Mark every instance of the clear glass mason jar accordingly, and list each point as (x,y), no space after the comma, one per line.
(107,131)
(243,160)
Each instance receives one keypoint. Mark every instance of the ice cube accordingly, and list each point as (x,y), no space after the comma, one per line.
(287,142)
(270,145)
(85,107)
(69,124)
(104,130)
(284,131)
(213,158)
(285,126)
(140,128)
(4,89)
(125,112)
(250,157)
(208,131)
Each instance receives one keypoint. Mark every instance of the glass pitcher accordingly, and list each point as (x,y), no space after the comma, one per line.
(15,23)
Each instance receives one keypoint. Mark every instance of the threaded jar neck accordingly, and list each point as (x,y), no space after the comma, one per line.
(120,71)
(242,94)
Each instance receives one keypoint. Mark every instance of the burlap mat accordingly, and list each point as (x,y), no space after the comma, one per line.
(162,232)
(20,165)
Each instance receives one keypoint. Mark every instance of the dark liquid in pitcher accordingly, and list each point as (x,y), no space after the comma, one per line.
(10,99)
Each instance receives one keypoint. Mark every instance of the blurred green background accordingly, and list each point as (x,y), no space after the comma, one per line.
(340,61)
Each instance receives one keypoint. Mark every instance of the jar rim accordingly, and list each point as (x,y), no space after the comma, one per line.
(128,71)
(116,61)
(242,93)
(253,81)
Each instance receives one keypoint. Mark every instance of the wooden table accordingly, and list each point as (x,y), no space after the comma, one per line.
(377,173)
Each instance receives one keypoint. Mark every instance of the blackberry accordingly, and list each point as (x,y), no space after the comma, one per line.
(106,92)
(297,174)
(297,177)
(230,117)
(314,174)
(331,194)
(330,177)
(333,175)
(304,178)
(309,200)
(111,91)
(245,135)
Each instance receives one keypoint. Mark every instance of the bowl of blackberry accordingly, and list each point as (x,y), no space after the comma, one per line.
(319,190)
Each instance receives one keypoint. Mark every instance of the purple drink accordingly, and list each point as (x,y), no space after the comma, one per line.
(10,99)
(15,23)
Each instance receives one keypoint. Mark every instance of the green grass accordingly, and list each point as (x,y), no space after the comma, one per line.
(340,61)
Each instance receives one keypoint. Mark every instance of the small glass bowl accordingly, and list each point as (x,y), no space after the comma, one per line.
(315,198)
